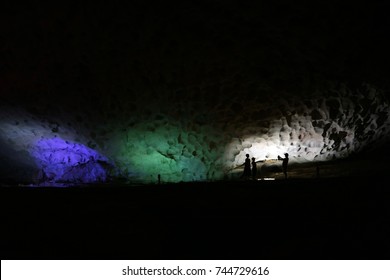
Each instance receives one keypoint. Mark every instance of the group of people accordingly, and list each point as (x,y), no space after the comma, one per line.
(252,172)
(248,171)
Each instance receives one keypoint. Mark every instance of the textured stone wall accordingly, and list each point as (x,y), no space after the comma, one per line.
(331,125)
(185,91)
(192,135)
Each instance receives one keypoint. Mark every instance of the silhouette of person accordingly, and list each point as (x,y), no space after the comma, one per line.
(247,168)
(284,164)
(254,169)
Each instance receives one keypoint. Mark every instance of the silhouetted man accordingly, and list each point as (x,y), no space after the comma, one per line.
(284,164)
(254,169)
(247,168)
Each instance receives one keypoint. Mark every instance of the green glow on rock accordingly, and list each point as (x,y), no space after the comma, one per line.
(166,148)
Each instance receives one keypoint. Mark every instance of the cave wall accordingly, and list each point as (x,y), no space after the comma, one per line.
(193,136)
(185,91)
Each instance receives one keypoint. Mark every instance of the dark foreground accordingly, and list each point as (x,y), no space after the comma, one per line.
(296,219)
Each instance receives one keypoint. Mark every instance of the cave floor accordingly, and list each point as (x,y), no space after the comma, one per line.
(333,218)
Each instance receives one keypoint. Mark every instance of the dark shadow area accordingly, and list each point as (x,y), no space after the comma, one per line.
(15,164)
(338,218)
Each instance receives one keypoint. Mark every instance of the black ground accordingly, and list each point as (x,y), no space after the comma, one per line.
(343,218)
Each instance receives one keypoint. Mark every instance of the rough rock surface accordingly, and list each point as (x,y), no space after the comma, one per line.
(183,141)
(186,90)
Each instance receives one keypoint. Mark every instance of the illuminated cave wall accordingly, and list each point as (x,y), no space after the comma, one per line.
(330,125)
(64,161)
(34,150)
(186,91)
(167,148)
(189,136)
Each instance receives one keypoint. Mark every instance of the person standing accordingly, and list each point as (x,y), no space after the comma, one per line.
(254,169)
(284,164)
(247,168)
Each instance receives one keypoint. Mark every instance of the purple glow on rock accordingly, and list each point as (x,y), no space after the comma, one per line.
(65,161)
